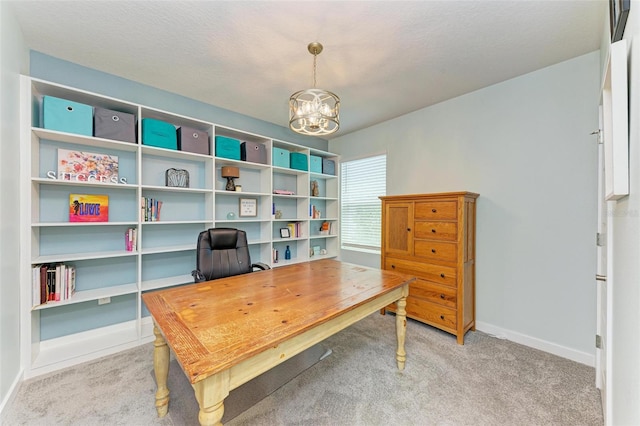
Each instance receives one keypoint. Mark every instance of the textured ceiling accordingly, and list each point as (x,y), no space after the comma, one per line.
(383,58)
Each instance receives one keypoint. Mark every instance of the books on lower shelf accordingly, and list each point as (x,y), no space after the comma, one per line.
(53,282)
(131,239)
(295,229)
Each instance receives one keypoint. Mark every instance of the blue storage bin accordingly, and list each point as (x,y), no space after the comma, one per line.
(298,161)
(67,116)
(328,167)
(159,133)
(315,164)
(227,147)
(280,157)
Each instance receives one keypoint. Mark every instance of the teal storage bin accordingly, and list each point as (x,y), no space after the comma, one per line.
(159,133)
(298,161)
(315,164)
(67,116)
(280,157)
(227,148)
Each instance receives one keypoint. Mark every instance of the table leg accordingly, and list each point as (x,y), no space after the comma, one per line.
(401,327)
(210,394)
(161,369)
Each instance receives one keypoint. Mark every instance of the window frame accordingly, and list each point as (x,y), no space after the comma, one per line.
(362,246)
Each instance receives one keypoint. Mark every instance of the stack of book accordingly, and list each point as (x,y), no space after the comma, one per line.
(295,229)
(150,209)
(131,239)
(54,282)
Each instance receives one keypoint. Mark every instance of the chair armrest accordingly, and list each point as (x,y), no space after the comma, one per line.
(198,276)
(260,265)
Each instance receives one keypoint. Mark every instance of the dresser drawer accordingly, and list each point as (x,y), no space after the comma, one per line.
(435,250)
(436,293)
(436,210)
(439,274)
(428,312)
(436,230)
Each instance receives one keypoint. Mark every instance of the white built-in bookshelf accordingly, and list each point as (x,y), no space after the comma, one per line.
(106,314)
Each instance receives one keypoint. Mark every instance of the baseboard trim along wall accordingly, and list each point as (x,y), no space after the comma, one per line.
(11,393)
(533,342)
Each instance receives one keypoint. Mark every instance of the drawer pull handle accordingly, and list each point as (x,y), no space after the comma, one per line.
(441,275)
(393,266)
(441,317)
(433,230)
(409,229)
(433,210)
(442,296)
(433,250)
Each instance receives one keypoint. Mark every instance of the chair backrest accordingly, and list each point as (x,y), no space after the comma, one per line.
(222,252)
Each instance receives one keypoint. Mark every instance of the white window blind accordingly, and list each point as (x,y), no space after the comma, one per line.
(362,182)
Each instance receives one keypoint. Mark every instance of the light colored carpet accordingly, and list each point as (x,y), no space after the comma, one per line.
(488,381)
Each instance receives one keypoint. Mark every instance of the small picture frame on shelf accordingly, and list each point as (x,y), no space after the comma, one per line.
(248,207)
(284,233)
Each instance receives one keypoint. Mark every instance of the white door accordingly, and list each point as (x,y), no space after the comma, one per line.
(603,281)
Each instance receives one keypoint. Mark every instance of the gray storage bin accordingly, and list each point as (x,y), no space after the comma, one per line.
(253,152)
(192,140)
(116,125)
(328,167)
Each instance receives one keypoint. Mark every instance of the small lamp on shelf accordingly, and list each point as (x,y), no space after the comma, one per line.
(230,173)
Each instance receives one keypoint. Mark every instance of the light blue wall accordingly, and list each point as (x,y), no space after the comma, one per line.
(13,60)
(70,74)
(524,145)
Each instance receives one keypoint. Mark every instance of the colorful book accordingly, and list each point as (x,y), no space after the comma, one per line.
(88,208)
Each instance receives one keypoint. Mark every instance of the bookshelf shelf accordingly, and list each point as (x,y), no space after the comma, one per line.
(166,282)
(106,313)
(89,295)
(83,140)
(68,257)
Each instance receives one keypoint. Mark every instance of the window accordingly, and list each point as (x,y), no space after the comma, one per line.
(363,181)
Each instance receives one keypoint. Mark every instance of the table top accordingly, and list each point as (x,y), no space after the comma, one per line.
(212,326)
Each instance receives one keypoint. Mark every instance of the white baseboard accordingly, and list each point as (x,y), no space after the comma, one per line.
(11,393)
(534,342)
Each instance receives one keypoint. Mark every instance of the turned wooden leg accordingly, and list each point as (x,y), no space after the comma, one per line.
(401,327)
(161,369)
(210,394)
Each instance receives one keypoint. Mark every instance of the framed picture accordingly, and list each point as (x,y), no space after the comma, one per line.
(88,208)
(248,207)
(618,13)
(284,233)
(87,166)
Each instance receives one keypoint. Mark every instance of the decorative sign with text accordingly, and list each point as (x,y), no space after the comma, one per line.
(88,208)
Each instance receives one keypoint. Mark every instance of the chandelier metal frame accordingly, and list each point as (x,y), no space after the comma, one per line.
(314,112)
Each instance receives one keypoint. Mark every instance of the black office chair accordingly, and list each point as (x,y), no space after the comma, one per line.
(223,252)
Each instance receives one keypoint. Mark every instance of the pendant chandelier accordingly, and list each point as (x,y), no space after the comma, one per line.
(314,112)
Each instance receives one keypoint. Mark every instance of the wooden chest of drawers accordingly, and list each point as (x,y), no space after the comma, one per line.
(432,236)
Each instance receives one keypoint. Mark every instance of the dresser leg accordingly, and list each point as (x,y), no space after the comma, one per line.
(401,327)
(161,369)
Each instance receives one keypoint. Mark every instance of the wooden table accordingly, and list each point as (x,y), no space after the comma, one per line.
(226,332)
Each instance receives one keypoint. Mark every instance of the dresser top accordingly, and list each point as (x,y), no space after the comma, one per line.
(465,194)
